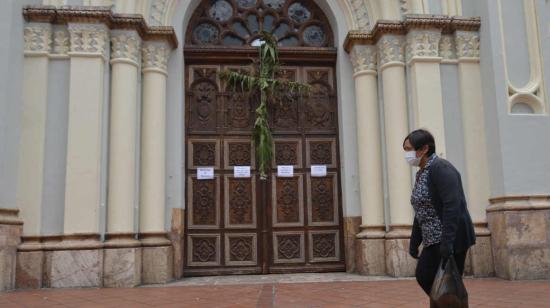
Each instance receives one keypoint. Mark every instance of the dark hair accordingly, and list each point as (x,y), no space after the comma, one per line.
(419,138)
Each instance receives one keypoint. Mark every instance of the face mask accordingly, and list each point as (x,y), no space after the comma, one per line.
(410,157)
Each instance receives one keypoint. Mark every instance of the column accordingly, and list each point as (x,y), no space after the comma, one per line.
(38,41)
(370,241)
(392,70)
(475,149)
(427,101)
(82,188)
(157,252)
(121,244)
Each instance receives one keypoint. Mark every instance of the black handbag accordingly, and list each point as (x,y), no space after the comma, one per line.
(448,290)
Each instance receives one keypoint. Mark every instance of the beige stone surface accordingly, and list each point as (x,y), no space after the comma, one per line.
(521,243)
(481,257)
(157,265)
(10,237)
(29,270)
(74,268)
(351,228)
(370,257)
(398,261)
(177,238)
(121,267)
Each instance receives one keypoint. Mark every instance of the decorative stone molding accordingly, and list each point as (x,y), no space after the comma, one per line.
(390,49)
(444,24)
(360,13)
(60,42)
(447,48)
(423,44)
(37,38)
(155,55)
(88,38)
(363,58)
(158,11)
(467,44)
(100,15)
(125,45)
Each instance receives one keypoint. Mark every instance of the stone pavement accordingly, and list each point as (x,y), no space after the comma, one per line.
(302,290)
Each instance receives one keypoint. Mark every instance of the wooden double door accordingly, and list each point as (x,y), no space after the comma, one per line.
(248,225)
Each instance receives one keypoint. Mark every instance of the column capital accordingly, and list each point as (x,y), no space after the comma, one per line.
(125,44)
(447,48)
(467,44)
(88,39)
(37,38)
(363,58)
(390,49)
(155,55)
(423,44)
(61,42)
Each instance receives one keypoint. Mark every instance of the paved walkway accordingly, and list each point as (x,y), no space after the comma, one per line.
(308,290)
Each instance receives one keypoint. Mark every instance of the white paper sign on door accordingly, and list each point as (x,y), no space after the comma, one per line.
(205,173)
(318,170)
(241,171)
(285,171)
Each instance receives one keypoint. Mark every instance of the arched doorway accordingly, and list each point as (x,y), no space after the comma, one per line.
(244,225)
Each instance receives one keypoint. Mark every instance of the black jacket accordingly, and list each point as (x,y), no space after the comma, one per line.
(449,202)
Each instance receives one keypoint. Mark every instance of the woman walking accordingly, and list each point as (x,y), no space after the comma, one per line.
(441,219)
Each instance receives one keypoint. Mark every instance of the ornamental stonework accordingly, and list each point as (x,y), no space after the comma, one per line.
(158,10)
(360,13)
(88,38)
(390,49)
(423,44)
(37,38)
(125,45)
(363,57)
(447,48)
(155,55)
(60,42)
(467,44)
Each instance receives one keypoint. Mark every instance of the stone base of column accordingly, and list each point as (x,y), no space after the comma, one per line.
(351,228)
(122,259)
(519,236)
(398,261)
(479,262)
(76,261)
(370,258)
(158,258)
(177,238)
(10,237)
(30,264)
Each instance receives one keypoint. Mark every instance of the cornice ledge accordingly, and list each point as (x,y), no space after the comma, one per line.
(446,24)
(100,14)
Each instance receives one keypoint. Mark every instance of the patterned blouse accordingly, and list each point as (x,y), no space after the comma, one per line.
(425,213)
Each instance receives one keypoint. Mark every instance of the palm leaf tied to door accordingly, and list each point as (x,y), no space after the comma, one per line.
(270,87)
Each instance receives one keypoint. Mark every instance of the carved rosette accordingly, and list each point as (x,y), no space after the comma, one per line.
(37,38)
(88,38)
(60,42)
(447,48)
(363,58)
(467,44)
(125,45)
(155,55)
(390,49)
(423,44)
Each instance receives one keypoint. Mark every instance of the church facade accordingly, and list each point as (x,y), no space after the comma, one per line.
(127,159)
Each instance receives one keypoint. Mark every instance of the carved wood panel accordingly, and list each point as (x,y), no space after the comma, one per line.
(285,109)
(321,151)
(204,198)
(287,151)
(240,249)
(320,105)
(240,202)
(238,152)
(287,203)
(324,246)
(204,250)
(288,247)
(322,200)
(203,95)
(203,153)
(239,105)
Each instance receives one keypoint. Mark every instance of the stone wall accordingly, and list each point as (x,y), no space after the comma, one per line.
(10,237)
